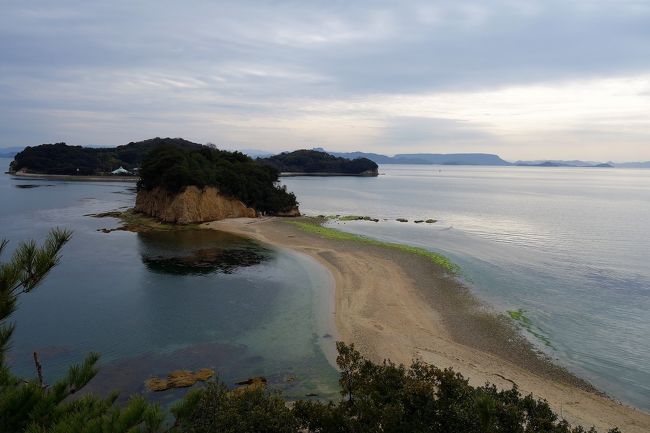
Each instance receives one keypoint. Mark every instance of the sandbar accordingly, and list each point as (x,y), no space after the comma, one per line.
(399,306)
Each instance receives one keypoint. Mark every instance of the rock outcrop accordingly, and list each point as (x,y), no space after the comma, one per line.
(179,379)
(192,205)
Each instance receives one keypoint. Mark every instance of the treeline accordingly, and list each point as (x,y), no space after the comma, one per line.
(375,398)
(59,158)
(233,173)
(313,161)
(62,159)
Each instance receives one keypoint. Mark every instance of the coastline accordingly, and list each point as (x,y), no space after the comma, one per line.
(40,176)
(36,176)
(325,174)
(396,305)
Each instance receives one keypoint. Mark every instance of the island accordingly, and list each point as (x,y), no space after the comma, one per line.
(63,159)
(184,185)
(316,163)
(426,158)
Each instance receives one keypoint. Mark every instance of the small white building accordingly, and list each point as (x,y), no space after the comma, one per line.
(121,170)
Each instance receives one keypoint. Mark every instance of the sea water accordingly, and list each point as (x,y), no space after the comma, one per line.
(154,302)
(569,247)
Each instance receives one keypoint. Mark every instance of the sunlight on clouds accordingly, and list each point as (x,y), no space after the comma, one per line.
(535,107)
(520,109)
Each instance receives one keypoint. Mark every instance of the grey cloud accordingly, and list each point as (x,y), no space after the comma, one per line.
(418,134)
(147,62)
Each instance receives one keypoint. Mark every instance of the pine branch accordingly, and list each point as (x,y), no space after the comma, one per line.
(39,371)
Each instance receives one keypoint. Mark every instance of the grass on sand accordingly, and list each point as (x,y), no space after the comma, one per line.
(315,227)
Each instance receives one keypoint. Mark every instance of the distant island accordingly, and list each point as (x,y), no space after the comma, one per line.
(317,162)
(486,159)
(427,158)
(9,152)
(573,163)
(62,159)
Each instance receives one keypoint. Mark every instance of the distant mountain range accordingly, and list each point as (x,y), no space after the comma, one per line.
(429,159)
(556,163)
(645,164)
(578,163)
(9,152)
(426,158)
(477,159)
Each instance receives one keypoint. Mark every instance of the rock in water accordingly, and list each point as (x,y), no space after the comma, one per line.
(179,379)
(251,384)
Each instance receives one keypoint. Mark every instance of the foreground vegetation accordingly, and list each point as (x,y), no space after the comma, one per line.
(313,161)
(375,397)
(233,173)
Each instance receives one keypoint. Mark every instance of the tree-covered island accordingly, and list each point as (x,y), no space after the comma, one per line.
(63,159)
(173,169)
(314,162)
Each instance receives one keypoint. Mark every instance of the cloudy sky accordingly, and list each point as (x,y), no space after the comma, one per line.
(524,79)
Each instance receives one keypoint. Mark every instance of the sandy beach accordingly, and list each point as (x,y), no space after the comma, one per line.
(395,305)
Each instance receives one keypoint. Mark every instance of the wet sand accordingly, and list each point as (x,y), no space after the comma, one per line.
(396,305)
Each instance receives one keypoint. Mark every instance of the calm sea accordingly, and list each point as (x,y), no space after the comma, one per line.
(570,247)
(151,303)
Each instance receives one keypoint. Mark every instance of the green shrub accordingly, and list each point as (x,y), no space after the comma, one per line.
(216,409)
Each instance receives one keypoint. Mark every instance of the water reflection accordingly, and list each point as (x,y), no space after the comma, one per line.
(198,252)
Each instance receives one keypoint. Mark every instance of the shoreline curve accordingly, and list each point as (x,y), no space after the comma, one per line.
(395,305)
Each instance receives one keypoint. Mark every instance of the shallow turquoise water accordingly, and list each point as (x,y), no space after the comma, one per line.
(125,296)
(568,246)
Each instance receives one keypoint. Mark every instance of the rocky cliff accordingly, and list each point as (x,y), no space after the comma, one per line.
(193,205)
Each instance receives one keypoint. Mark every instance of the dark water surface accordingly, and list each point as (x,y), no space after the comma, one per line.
(153,302)
(569,247)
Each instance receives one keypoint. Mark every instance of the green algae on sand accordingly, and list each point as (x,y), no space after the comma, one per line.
(520,318)
(330,233)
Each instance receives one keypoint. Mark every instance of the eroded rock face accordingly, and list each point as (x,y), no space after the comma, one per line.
(193,205)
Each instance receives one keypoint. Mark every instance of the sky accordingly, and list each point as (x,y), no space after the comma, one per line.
(521,78)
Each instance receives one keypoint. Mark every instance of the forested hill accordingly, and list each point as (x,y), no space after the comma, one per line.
(59,158)
(234,174)
(316,162)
